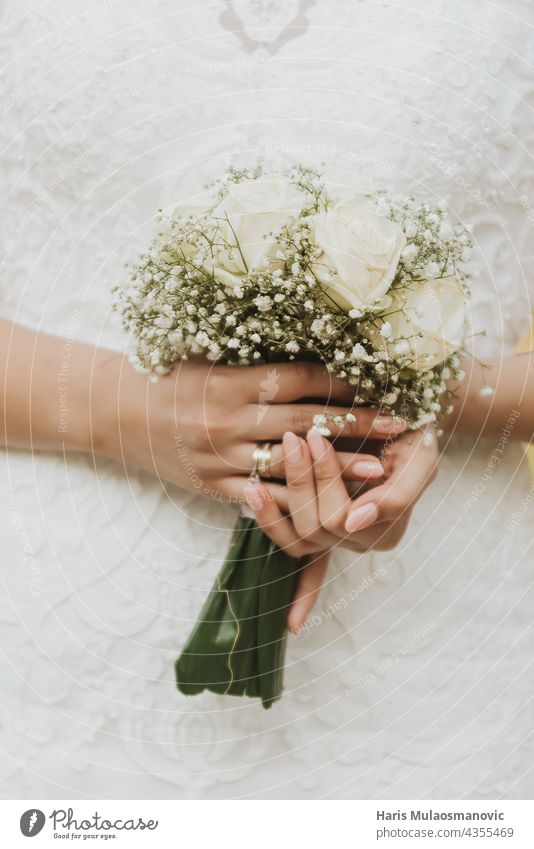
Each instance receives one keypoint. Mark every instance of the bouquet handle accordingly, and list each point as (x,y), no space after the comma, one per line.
(237,646)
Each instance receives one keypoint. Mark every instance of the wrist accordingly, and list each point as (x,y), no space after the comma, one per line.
(87,399)
(108,392)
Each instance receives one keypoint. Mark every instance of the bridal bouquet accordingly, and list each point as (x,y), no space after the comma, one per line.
(284,265)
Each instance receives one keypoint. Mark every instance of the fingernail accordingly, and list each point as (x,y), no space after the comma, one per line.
(361,517)
(292,448)
(318,444)
(389,424)
(254,497)
(368,469)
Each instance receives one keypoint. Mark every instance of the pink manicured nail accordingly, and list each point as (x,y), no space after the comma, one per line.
(361,517)
(389,424)
(292,448)
(254,497)
(318,444)
(368,469)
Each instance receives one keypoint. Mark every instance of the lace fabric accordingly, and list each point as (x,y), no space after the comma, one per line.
(413,678)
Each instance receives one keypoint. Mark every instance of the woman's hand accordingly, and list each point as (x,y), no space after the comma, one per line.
(199,425)
(314,512)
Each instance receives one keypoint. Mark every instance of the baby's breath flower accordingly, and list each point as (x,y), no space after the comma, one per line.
(263,302)
(359,352)
(402,347)
(431,270)
(190,293)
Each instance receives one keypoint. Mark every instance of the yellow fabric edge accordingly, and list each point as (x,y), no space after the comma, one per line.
(527,344)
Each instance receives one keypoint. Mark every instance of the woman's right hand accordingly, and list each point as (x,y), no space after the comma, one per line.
(198,425)
(314,514)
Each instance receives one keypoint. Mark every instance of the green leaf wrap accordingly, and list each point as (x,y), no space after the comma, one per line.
(237,646)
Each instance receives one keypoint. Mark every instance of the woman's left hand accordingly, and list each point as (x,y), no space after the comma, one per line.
(314,512)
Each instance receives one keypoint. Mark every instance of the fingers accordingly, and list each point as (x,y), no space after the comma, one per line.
(233,490)
(365,467)
(360,467)
(332,497)
(271,421)
(354,466)
(286,382)
(413,465)
(274,524)
(300,483)
(310,581)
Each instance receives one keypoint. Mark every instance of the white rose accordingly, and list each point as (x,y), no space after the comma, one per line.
(249,213)
(362,251)
(427,322)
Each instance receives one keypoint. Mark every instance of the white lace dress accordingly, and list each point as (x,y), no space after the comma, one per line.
(415,676)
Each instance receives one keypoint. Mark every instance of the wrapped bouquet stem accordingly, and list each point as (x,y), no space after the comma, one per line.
(277,266)
(237,646)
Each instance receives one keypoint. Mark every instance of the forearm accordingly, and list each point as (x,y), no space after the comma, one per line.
(512,381)
(53,390)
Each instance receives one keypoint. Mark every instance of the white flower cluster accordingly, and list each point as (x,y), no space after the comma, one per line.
(276,268)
